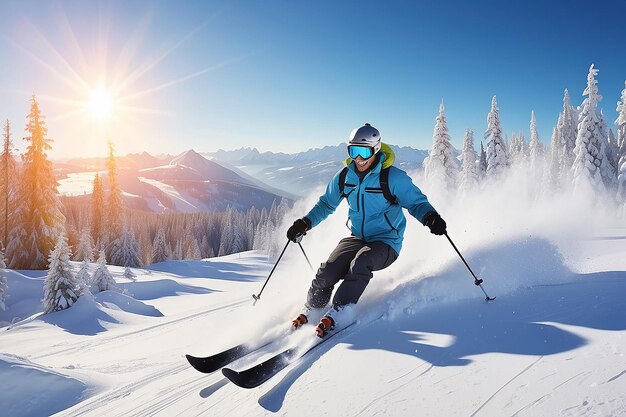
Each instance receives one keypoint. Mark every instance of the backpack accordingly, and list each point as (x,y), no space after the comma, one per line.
(384,184)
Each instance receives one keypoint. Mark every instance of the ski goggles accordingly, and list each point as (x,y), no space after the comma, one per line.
(364,152)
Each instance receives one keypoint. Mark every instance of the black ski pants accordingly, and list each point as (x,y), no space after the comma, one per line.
(353,260)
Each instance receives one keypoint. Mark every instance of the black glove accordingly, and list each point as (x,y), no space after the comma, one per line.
(298,228)
(435,223)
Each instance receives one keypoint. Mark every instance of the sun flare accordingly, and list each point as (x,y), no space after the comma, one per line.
(100,104)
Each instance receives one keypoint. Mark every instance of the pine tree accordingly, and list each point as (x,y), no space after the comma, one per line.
(159,247)
(621,141)
(535,148)
(553,173)
(125,249)
(61,289)
(591,168)
(193,249)
(567,128)
(515,150)
(8,183)
(3,282)
(114,203)
(102,279)
(84,251)
(612,155)
(441,168)
(42,219)
(83,278)
(469,169)
(129,274)
(482,164)
(97,215)
(497,156)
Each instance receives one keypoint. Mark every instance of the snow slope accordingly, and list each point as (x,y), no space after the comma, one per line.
(426,343)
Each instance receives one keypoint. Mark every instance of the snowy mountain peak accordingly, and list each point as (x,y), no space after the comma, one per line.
(191,159)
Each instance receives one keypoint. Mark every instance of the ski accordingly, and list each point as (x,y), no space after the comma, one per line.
(260,373)
(209,364)
(214,362)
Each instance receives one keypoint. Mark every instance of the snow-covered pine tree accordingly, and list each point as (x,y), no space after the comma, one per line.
(482,163)
(535,150)
(17,253)
(591,166)
(226,234)
(43,219)
(440,168)
(193,249)
(102,279)
(8,183)
(129,274)
(497,155)
(159,247)
(612,154)
(61,288)
(177,253)
(114,202)
(621,141)
(553,172)
(468,180)
(84,251)
(3,282)
(83,278)
(125,249)
(204,247)
(97,215)
(567,128)
(515,157)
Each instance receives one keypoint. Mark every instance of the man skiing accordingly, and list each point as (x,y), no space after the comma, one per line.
(376,192)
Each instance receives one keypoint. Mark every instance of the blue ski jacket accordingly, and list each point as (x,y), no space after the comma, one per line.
(372,218)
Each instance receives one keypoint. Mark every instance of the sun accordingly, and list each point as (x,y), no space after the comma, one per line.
(100,104)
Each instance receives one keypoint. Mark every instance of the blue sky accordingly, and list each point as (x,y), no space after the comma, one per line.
(292,75)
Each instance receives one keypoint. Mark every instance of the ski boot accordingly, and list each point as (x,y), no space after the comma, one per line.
(326,324)
(302,318)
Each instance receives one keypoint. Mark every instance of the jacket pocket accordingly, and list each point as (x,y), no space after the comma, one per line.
(389,223)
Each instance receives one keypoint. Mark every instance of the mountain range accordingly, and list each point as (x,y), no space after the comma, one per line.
(213,181)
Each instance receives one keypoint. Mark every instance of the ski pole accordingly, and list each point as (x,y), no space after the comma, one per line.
(305,257)
(258,297)
(477,281)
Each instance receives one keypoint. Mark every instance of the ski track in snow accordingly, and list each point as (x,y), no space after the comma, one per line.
(397,388)
(548,395)
(127,337)
(505,385)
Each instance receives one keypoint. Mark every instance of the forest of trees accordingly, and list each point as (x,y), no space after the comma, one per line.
(44,231)
(584,154)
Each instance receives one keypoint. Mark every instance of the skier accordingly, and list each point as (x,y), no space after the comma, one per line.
(376,192)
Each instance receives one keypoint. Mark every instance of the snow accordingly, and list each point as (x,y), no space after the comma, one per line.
(426,343)
(183,202)
(77,183)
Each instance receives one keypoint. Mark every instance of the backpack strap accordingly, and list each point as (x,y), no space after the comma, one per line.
(342,181)
(384,184)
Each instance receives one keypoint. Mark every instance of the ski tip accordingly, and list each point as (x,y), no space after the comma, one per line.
(199,364)
(235,377)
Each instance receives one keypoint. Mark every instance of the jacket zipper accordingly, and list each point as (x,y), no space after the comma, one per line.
(363,220)
(361,207)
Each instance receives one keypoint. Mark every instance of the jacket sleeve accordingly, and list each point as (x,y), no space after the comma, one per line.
(409,195)
(327,203)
